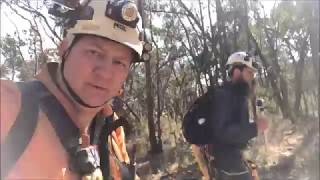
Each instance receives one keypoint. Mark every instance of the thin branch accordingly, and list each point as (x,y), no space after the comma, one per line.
(35,47)
(172,60)
(194,28)
(130,109)
(21,16)
(286,40)
(175,75)
(210,21)
(190,13)
(202,24)
(188,38)
(164,11)
(33,11)
(46,32)
(38,33)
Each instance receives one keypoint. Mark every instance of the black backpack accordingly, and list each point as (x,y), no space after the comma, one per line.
(197,124)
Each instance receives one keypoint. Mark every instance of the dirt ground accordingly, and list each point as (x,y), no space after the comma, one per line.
(289,152)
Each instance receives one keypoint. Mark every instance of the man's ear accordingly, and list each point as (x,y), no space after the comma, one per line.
(120,92)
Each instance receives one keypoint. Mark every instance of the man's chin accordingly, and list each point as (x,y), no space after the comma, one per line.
(97,102)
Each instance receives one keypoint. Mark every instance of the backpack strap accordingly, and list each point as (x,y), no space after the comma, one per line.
(107,129)
(23,128)
(67,132)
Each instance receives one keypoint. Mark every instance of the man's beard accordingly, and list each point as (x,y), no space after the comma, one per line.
(241,87)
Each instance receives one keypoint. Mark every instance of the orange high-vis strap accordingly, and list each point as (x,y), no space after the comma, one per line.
(116,142)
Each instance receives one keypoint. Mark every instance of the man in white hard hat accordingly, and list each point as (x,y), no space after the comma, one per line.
(46,124)
(232,127)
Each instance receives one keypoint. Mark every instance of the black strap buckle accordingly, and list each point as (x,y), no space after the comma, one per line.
(85,160)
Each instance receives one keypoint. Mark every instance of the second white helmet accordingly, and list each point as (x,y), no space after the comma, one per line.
(242,58)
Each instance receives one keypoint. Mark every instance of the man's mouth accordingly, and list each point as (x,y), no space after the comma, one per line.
(101,88)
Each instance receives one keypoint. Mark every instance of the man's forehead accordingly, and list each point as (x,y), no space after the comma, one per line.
(94,39)
(100,41)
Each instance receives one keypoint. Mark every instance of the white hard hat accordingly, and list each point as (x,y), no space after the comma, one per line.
(242,58)
(118,20)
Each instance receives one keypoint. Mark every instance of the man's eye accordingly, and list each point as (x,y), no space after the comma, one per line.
(93,52)
(117,62)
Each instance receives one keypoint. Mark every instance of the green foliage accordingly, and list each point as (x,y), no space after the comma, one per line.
(12,57)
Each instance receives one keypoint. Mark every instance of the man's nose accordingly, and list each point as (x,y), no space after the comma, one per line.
(103,69)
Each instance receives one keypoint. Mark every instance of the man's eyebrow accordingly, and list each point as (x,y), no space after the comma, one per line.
(122,58)
(95,44)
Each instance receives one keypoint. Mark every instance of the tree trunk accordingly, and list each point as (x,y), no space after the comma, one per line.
(159,100)
(314,43)
(13,72)
(319,96)
(150,101)
(299,76)
(222,39)
(306,106)
(284,101)
(246,23)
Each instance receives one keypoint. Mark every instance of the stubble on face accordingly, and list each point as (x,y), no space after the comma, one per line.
(98,77)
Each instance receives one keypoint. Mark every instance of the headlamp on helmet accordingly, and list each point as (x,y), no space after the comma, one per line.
(117,20)
(123,11)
